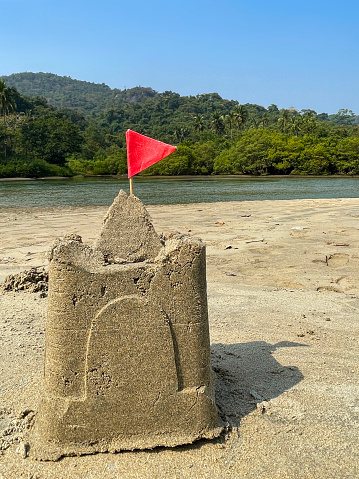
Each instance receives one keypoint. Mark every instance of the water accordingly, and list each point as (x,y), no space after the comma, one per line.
(101,191)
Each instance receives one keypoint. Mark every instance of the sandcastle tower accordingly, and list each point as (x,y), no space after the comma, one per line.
(127,355)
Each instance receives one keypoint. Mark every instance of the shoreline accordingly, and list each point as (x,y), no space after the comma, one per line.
(214,204)
(139,177)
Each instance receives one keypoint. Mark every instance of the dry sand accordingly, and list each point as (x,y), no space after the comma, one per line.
(283,289)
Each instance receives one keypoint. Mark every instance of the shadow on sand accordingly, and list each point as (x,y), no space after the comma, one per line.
(248,374)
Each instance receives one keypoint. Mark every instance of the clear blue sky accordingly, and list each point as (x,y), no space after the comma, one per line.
(297,53)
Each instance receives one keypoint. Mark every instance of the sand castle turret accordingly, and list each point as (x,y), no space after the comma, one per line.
(127,356)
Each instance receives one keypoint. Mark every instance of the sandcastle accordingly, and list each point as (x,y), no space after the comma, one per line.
(127,355)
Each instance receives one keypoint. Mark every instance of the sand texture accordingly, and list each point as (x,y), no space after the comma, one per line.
(283,292)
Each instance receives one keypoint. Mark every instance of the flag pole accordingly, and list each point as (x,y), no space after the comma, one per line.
(131,186)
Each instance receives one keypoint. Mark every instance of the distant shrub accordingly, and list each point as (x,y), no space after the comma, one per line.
(23,168)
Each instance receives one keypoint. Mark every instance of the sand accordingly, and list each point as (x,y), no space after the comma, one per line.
(283,290)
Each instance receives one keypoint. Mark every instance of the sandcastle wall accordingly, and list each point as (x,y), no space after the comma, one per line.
(127,355)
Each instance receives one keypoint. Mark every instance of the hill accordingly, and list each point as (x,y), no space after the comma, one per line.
(94,99)
(65,92)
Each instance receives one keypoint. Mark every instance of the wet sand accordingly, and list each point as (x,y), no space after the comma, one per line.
(283,291)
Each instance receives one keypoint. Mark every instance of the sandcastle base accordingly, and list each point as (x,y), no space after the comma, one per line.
(49,451)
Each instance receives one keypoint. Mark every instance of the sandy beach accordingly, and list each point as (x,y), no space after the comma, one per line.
(283,292)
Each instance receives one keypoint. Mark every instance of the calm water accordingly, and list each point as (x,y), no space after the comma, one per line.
(101,191)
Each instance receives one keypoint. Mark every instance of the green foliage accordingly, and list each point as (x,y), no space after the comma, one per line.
(262,151)
(113,161)
(65,92)
(51,139)
(83,131)
(23,168)
(7,99)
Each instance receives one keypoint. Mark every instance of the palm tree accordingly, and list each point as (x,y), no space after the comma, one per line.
(253,122)
(283,120)
(180,133)
(309,123)
(294,126)
(231,121)
(7,102)
(217,123)
(241,115)
(264,120)
(199,123)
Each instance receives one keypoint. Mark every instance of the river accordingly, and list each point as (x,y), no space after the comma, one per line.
(175,190)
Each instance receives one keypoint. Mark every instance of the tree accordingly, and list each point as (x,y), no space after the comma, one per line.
(51,139)
(180,133)
(264,122)
(273,108)
(241,115)
(283,121)
(217,123)
(7,101)
(308,122)
(250,154)
(231,121)
(347,153)
(294,125)
(343,117)
(199,123)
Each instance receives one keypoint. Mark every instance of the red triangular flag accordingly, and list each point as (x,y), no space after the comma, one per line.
(143,152)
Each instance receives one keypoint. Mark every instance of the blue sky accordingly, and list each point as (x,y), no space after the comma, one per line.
(296,53)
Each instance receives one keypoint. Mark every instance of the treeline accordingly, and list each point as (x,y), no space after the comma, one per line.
(214,136)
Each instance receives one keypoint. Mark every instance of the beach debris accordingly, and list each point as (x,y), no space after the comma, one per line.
(263,407)
(134,372)
(299,228)
(22,450)
(255,241)
(245,216)
(310,332)
(228,247)
(337,244)
(32,280)
(227,273)
(219,223)
(7,259)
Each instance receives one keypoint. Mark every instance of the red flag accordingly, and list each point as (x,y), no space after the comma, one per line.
(143,152)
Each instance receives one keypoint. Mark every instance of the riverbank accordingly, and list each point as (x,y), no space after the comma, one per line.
(283,290)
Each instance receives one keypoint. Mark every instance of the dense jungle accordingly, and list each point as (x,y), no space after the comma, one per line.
(57,126)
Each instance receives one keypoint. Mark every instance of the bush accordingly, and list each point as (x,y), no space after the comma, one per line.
(24,168)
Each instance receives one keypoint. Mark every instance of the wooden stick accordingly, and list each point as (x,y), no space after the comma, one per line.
(131,186)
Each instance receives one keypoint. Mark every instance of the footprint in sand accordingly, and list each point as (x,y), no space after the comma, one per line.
(337,260)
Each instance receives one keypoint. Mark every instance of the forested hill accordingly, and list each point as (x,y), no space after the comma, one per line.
(145,107)
(52,125)
(65,92)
